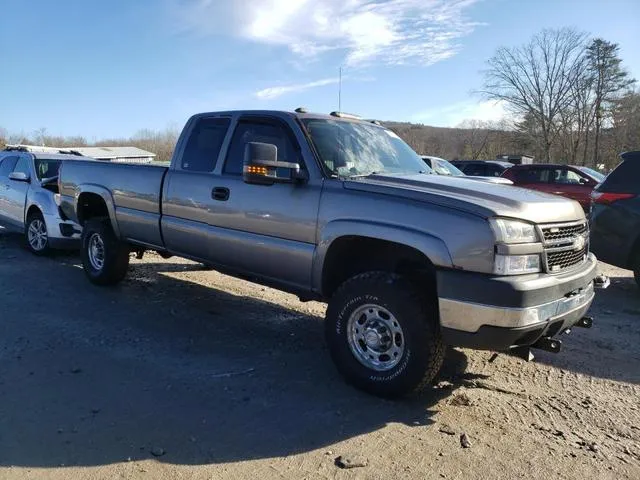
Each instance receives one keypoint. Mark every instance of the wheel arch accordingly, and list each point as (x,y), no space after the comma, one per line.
(349,248)
(93,201)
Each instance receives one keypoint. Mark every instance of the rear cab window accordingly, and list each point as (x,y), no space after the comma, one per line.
(204,144)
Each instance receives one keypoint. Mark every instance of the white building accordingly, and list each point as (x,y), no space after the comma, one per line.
(110,154)
(115,154)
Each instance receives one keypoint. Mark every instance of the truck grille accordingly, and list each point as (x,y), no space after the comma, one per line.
(558,232)
(565,245)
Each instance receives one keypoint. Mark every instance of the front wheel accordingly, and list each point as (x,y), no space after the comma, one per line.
(36,234)
(383,336)
(105,259)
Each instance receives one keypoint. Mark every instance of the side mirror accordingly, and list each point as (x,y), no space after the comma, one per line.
(584,181)
(19,177)
(261,166)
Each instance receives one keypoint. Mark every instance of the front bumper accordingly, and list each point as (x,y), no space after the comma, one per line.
(499,313)
(62,234)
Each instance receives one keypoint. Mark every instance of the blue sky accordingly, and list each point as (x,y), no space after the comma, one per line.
(105,69)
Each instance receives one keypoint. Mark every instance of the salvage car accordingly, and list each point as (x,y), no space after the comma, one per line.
(341,210)
(615,215)
(29,200)
(440,166)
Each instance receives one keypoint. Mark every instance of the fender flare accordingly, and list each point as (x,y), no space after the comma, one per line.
(431,246)
(106,196)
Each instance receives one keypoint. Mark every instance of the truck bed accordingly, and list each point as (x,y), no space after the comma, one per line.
(136,192)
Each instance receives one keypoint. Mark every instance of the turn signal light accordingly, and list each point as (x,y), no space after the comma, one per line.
(255,170)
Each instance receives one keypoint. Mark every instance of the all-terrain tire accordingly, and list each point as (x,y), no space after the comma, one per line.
(416,314)
(36,235)
(108,263)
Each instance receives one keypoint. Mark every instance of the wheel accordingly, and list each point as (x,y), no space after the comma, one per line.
(105,259)
(36,234)
(383,337)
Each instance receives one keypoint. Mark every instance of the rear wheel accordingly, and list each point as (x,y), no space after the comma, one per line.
(105,259)
(36,234)
(383,336)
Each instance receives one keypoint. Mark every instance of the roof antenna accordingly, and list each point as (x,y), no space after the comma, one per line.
(340,89)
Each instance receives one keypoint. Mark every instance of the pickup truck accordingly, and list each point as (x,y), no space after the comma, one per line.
(341,210)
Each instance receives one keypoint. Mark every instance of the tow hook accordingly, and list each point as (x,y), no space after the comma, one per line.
(584,322)
(549,344)
(601,282)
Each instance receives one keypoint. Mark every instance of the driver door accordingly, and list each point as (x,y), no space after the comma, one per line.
(268,230)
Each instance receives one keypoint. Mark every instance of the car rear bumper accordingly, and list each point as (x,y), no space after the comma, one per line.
(501,313)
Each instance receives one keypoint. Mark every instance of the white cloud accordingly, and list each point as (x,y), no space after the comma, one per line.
(274,92)
(388,32)
(455,114)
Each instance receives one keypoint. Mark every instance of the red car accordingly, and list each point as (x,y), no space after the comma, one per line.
(576,183)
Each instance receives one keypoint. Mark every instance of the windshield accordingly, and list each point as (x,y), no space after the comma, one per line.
(443,167)
(350,149)
(46,168)
(599,177)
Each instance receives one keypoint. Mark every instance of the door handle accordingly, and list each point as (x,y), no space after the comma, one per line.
(220,193)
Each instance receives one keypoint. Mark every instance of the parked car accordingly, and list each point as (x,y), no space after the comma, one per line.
(595,174)
(340,210)
(440,166)
(482,168)
(28,196)
(615,215)
(563,180)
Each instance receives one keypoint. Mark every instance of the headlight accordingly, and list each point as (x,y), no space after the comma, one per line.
(513,231)
(57,199)
(516,264)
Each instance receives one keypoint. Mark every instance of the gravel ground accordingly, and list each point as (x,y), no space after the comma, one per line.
(181,372)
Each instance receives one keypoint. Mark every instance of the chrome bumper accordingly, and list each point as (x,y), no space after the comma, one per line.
(470,317)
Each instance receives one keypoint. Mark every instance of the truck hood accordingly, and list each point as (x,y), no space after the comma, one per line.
(480,198)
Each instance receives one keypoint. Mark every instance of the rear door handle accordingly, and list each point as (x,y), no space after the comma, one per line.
(220,193)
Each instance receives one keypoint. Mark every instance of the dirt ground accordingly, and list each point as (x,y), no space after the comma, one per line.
(181,372)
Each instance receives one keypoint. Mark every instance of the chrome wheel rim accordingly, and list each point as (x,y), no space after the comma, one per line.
(375,337)
(96,251)
(37,235)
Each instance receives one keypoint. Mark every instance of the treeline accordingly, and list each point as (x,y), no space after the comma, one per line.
(160,142)
(478,140)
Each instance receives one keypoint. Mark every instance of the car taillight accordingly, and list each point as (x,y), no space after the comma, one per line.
(607,198)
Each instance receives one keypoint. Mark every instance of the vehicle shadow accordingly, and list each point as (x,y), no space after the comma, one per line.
(164,366)
(611,348)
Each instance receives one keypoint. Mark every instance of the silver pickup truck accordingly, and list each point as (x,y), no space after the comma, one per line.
(341,210)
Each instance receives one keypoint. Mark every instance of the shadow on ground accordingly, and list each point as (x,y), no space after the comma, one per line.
(611,348)
(96,376)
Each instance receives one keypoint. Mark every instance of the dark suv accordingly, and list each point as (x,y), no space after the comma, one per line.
(482,168)
(615,216)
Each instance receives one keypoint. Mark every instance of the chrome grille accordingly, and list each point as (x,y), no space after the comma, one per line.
(565,245)
(559,232)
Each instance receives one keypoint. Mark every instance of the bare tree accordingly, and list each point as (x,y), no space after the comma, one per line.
(609,80)
(536,79)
